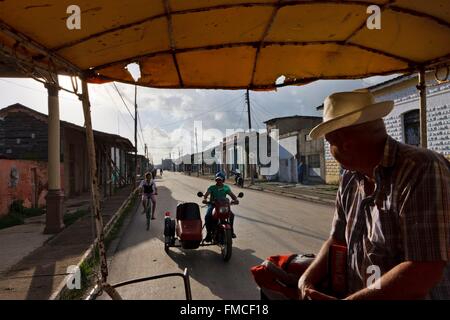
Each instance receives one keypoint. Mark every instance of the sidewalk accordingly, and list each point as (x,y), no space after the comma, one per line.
(36,268)
(318,193)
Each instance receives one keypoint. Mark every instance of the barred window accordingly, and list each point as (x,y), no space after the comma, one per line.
(411,123)
(314,161)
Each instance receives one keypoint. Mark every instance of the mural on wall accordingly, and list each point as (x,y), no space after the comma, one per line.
(24,180)
(13,177)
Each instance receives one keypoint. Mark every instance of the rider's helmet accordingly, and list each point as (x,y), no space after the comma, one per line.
(220,176)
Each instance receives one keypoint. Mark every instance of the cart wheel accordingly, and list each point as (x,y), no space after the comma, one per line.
(227,245)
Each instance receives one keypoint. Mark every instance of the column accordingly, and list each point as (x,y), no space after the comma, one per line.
(55,197)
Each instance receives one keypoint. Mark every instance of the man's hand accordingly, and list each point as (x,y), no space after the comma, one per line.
(312,294)
(303,286)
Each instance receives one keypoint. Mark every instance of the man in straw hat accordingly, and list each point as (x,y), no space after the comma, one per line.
(392,208)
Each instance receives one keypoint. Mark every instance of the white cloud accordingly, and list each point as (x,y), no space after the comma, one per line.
(167,116)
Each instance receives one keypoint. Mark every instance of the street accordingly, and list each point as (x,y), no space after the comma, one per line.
(265,224)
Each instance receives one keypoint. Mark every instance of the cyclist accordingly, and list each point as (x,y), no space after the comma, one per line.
(149,192)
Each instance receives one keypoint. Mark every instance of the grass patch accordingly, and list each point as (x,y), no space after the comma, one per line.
(70,218)
(87,269)
(11,219)
(113,233)
(18,213)
(33,212)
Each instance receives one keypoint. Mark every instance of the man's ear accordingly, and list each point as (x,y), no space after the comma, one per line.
(348,145)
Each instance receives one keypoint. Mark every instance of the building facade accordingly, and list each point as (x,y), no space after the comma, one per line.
(295,147)
(403,123)
(23,159)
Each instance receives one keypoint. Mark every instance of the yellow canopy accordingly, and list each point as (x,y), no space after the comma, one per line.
(228,44)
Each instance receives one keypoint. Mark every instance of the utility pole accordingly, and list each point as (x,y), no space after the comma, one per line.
(196,152)
(181,164)
(247,98)
(423,108)
(146,157)
(135,136)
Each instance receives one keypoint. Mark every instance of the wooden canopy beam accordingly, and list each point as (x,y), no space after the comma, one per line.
(389,4)
(172,41)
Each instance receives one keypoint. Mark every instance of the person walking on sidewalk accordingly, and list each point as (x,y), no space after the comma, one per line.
(300,171)
(392,208)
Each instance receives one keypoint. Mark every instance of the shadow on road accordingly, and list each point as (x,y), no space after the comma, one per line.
(291,229)
(225,280)
(230,280)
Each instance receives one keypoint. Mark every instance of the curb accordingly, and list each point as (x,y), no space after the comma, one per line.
(296,196)
(314,199)
(56,295)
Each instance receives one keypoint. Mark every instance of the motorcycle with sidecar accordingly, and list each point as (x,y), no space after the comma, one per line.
(186,230)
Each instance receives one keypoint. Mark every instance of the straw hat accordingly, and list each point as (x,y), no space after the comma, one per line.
(345,109)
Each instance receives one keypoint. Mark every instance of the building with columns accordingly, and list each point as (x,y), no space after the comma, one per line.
(24,173)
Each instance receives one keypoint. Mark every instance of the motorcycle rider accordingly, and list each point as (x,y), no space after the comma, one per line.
(217,191)
(237,176)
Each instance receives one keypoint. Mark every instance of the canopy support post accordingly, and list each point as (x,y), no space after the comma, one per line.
(422,87)
(95,200)
(135,139)
(55,197)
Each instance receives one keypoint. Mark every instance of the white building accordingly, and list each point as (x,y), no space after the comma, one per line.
(403,123)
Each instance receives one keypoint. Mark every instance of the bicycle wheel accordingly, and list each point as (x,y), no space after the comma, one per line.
(148,213)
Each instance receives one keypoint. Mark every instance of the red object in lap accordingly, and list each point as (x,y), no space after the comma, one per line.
(281,273)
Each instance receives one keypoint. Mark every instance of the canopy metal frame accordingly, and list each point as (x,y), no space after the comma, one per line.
(40,69)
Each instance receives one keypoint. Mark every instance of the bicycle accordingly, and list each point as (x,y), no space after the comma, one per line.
(148,211)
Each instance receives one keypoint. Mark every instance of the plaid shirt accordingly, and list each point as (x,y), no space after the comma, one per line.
(407,218)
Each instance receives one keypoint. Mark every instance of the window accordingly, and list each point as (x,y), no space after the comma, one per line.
(411,123)
(314,161)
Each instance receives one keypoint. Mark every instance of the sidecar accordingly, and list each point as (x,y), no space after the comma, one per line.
(185,230)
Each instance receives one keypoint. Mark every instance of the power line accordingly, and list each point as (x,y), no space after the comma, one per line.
(264,108)
(259,116)
(118,108)
(35,89)
(240,119)
(141,131)
(201,114)
(126,106)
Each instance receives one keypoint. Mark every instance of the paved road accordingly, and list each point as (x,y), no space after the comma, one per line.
(265,224)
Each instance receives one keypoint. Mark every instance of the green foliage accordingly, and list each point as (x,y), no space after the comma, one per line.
(10,220)
(18,213)
(16,207)
(87,269)
(33,212)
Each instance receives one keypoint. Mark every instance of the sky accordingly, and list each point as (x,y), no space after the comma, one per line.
(166,117)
